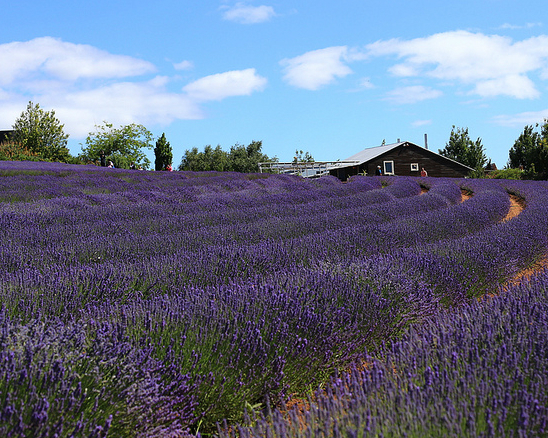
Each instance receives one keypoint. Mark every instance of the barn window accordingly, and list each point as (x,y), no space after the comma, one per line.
(414,167)
(388,167)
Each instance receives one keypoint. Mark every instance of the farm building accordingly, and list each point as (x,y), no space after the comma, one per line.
(403,159)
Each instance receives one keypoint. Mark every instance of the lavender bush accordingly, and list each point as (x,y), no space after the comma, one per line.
(478,372)
(204,293)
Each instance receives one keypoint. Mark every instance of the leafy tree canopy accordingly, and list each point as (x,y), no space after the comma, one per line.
(122,146)
(163,153)
(41,133)
(300,158)
(241,158)
(462,149)
(530,152)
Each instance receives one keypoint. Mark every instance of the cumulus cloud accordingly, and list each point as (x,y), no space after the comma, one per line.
(517,86)
(59,60)
(123,103)
(492,64)
(87,86)
(246,14)
(223,85)
(413,94)
(317,68)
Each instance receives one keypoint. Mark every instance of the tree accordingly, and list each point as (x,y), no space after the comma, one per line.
(246,159)
(241,158)
(40,132)
(122,145)
(530,152)
(462,149)
(299,158)
(10,151)
(163,153)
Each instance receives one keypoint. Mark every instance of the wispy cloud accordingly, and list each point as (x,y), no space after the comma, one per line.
(493,65)
(521,119)
(184,65)
(87,86)
(418,123)
(247,14)
(413,94)
(317,68)
(518,26)
(366,84)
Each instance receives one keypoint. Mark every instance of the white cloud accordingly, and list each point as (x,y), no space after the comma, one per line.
(517,26)
(64,61)
(87,86)
(317,68)
(418,123)
(517,86)
(222,85)
(184,65)
(492,64)
(246,14)
(365,83)
(122,103)
(521,119)
(413,94)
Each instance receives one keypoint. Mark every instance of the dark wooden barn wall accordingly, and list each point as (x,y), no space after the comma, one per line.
(403,156)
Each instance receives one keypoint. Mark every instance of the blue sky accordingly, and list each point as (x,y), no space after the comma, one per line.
(330,78)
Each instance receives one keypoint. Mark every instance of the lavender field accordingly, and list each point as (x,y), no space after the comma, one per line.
(180,304)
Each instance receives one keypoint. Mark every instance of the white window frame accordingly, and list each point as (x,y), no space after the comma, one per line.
(414,167)
(390,163)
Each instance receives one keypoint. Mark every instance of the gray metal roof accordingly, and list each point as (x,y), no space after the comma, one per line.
(370,153)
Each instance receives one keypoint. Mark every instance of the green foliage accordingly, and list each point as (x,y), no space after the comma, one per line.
(530,152)
(163,153)
(241,158)
(41,133)
(10,151)
(462,149)
(122,146)
(246,159)
(209,159)
(506,174)
(299,158)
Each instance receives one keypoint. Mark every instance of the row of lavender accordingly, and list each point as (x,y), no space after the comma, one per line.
(478,372)
(194,294)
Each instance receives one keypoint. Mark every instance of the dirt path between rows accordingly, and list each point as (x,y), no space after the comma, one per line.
(517,205)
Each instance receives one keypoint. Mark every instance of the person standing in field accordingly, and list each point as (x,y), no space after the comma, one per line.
(424,172)
(378,171)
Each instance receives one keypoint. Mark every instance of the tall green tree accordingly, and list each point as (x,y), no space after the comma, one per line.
(246,159)
(530,152)
(41,133)
(163,153)
(122,146)
(462,149)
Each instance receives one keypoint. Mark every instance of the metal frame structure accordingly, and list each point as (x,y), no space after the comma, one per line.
(305,169)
